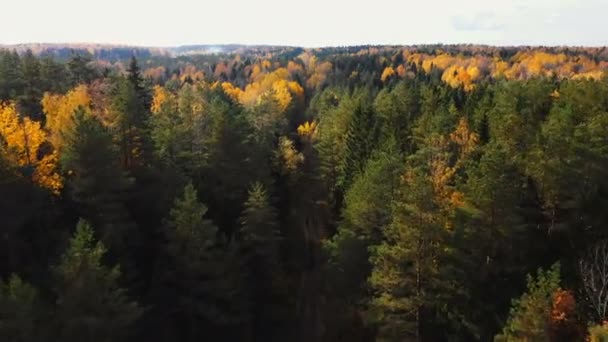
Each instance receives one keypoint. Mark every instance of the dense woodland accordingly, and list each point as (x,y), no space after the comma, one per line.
(430,193)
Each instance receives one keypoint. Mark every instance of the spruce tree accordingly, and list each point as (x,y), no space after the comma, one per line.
(530,314)
(259,239)
(361,139)
(200,282)
(90,304)
(21,312)
(96,181)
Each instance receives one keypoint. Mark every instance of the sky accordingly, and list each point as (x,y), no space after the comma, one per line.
(307,23)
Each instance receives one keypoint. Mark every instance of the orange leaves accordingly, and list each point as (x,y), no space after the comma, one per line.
(563,321)
(387,73)
(564,306)
(24,139)
(59,110)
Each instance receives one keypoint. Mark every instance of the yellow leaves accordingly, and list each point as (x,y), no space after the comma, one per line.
(277,83)
(282,94)
(457,76)
(46,174)
(232,91)
(23,139)
(465,139)
(307,129)
(59,110)
(443,167)
(160,97)
(318,74)
(387,73)
(289,158)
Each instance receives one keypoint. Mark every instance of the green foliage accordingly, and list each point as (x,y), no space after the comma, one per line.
(96,181)
(367,211)
(531,313)
(90,304)
(20,311)
(200,282)
(406,270)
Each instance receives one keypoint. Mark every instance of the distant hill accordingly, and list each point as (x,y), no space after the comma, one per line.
(113,52)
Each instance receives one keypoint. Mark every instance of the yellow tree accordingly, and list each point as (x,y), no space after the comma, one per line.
(23,139)
(59,110)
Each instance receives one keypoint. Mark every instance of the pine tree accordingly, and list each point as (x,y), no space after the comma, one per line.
(259,240)
(32,90)
(80,72)
(405,278)
(361,139)
(90,304)
(137,82)
(530,314)
(96,181)
(11,76)
(21,313)
(130,120)
(200,280)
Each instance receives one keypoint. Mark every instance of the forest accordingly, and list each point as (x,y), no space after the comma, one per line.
(268,193)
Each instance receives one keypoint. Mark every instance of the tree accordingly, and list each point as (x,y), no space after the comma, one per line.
(366,214)
(29,100)
(90,304)
(96,181)
(531,313)
(11,76)
(259,242)
(59,111)
(21,313)
(80,72)
(405,277)
(594,273)
(130,121)
(26,147)
(361,138)
(199,280)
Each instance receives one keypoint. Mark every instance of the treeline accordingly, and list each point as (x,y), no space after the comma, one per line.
(304,195)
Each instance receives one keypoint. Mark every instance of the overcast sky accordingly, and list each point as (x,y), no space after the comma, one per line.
(307,23)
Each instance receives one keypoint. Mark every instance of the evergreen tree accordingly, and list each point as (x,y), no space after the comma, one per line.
(530,314)
(130,119)
(96,181)
(361,139)
(259,240)
(32,87)
(406,276)
(80,72)
(21,313)
(200,282)
(90,304)
(11,76)
(367,212)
